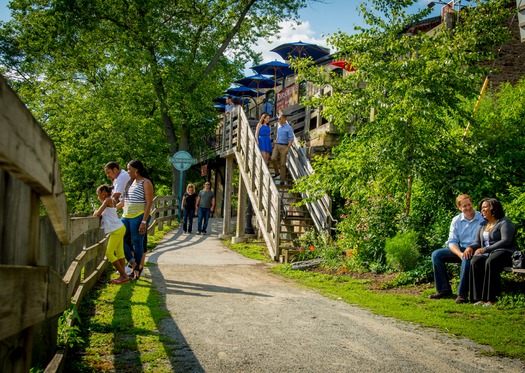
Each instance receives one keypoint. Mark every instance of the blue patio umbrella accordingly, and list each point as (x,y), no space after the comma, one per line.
(219,107)
(301,50)
(256,81)
(243,91)
(276,68)
(220,100)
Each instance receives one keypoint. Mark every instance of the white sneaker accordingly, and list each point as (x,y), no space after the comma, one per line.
(128,270)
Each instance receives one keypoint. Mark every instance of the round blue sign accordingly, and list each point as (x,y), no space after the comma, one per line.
(182,160)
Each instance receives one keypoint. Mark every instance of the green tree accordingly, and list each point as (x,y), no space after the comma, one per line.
(159,63)
(420,87)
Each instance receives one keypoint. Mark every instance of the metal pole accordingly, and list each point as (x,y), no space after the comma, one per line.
(181,177)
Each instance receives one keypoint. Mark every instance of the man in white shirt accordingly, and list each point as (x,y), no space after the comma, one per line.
(118,177)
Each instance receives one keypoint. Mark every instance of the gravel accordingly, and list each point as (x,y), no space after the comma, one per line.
(230,314)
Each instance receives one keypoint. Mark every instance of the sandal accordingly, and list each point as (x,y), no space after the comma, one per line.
(118,281)
(137,273)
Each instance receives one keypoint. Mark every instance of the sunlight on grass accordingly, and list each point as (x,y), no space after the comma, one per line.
(250,249)
(120,325)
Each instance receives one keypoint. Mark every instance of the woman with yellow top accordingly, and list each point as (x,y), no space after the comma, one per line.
(138,198)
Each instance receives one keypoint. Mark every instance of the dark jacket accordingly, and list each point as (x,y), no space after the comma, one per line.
(502,236)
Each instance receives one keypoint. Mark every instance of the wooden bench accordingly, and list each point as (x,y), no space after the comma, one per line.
(515,270)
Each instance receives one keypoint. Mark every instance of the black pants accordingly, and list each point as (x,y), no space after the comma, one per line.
(485,275)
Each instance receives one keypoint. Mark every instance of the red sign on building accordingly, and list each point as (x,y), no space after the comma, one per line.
(287,97)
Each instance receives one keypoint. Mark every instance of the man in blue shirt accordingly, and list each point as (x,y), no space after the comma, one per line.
(462,232)
(228,107)
(282,146)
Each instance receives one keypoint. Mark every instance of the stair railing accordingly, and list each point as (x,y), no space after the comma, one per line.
(260,186)
(299,166)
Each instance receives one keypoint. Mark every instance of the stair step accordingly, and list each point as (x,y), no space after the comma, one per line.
(303,225)
(297,217)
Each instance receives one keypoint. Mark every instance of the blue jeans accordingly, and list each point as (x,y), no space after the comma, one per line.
(134,252)
(445,255)
(202,220)
(187,224)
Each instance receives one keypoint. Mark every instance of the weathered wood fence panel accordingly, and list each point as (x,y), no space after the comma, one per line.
(46,263)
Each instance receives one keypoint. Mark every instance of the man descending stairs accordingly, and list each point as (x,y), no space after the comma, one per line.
(283,143)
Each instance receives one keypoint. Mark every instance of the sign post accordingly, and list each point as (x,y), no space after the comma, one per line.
(182,161)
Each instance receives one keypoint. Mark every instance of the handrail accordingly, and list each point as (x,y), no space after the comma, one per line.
(299,166)
(264,195)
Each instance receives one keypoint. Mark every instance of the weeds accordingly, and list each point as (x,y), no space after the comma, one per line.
(69,335)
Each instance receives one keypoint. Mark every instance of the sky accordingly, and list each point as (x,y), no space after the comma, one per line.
(318,20)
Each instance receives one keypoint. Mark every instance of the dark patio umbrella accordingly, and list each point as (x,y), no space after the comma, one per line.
(256,81)
(301,50)
(276,68)
(220,100)
(219,107)
(243,91)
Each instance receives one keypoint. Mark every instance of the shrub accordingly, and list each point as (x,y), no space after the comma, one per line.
(317,245)
(423,273)
(402,251)
(365,225)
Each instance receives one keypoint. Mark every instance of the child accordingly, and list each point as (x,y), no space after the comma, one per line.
(112,225)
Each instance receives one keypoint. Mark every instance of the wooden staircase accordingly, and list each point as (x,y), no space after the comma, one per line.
(280,221)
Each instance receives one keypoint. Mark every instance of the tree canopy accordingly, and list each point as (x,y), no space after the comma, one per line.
(393,168)
(117,80)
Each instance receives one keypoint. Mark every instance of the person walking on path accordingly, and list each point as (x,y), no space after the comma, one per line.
(461,235)
(189,201)
(205,205)
(262,136)
(283,143)
(116,230)
(138,199)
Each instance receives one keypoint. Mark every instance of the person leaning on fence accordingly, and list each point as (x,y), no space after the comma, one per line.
(283,143)
(138,199)
(205,204)
(189,200)
(459,250)
(116,230)
(118,177)
(494,245)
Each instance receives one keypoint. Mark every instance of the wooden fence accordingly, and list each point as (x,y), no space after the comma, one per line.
(47,263)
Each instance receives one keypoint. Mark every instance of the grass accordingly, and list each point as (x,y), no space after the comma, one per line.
(120,324)
(252,250)
(121,327)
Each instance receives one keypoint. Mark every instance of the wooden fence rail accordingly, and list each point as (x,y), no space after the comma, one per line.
(46,263)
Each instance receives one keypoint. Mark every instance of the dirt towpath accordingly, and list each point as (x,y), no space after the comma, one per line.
(229,314)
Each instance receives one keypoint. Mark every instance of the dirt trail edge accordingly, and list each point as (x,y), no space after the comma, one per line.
(229,314)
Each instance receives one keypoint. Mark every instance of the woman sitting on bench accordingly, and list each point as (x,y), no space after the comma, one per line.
(493,247)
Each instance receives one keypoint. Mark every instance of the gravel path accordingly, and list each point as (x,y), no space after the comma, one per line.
(229,314)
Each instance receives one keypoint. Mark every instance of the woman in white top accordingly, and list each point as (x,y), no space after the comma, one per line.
(116,230)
